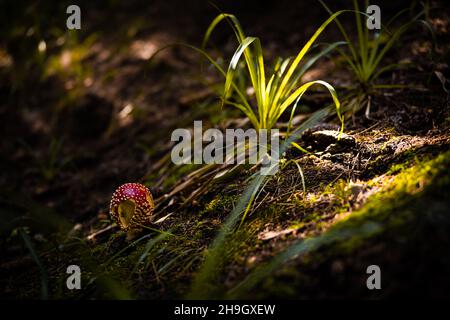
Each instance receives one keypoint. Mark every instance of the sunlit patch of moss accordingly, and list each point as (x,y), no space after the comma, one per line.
(211,206)
(69,65)
(243,240)
(402,206)
(341,192)
(332,197)
(390,207)
(409,157)
(313,216)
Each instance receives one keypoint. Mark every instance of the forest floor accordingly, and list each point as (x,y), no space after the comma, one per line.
(103,115)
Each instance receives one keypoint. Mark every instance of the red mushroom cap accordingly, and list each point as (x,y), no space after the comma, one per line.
(131,205)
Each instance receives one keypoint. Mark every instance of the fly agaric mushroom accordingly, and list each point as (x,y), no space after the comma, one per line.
(131,206)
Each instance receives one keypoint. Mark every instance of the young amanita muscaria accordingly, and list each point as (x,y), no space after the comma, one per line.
(132,206)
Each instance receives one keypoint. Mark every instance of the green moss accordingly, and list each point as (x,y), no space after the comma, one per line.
(390,208)
(178,173)
(296,224)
